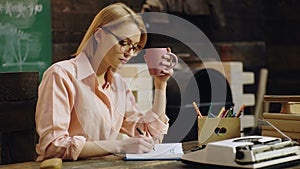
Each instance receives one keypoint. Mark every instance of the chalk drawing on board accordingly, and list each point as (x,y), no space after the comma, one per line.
(19,47)
(20,13)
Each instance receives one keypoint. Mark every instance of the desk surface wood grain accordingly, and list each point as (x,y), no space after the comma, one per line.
(117,162)
(111,161)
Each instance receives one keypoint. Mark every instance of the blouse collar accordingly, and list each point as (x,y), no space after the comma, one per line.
(85,69)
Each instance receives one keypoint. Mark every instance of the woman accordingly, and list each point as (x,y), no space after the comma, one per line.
(83,105)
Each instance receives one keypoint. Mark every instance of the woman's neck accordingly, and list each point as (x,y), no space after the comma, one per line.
(101,79)
(105,79)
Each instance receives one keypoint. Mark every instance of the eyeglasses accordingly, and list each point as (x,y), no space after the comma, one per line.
(125,44)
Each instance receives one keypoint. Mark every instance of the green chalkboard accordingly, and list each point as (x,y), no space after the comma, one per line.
(25,35)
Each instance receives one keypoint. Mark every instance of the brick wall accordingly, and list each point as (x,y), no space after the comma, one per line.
(259,33)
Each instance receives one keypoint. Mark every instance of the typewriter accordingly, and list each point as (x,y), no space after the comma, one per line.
(246,152)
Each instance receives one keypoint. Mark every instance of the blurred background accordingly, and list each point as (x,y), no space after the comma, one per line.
(258,33)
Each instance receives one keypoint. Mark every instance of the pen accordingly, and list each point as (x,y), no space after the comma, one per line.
(229,114)
(233,114)
(210,115)
(240,111)
(197,110)
(139,131)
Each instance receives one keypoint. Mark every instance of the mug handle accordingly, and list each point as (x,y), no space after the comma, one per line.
(173,56)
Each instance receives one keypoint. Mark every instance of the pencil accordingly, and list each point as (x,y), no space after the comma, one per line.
(197,110)
(221,112)
(225,114)
(139,131)
(240,111)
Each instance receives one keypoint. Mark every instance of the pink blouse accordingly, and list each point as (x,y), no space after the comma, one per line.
(73,108)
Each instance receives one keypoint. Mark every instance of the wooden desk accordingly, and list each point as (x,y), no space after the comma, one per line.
(113,161)
(110,161)
(103,162)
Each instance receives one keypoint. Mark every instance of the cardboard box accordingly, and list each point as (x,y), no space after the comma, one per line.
(216,129)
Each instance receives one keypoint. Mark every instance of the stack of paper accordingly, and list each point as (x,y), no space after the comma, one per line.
(166,151)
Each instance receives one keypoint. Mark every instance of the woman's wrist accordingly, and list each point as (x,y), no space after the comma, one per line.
(118,147)
(158,84)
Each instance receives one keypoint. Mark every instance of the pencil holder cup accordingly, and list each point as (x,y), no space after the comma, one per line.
(216,129)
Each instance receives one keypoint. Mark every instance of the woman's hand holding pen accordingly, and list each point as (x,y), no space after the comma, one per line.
(135,145)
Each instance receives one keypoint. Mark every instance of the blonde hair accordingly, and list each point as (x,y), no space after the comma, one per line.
(107,16)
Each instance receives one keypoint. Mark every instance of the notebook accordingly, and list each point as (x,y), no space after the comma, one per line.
(165,151)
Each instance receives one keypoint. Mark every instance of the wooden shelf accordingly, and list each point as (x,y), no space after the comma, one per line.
(282,98)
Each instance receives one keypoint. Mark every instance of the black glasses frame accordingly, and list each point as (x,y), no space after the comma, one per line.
(126,45)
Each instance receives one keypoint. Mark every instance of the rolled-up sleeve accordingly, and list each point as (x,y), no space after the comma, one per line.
(53,115)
